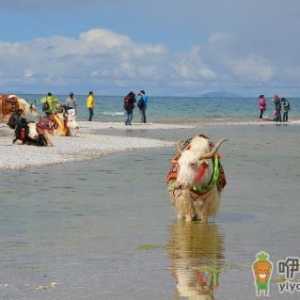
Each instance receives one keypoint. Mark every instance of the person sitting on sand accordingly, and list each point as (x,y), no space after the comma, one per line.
(18,122)
(262,105)
(285,105)
(90,104)
(26,131)
(129,103)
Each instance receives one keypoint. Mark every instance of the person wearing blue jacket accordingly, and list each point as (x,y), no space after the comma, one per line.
(142,105)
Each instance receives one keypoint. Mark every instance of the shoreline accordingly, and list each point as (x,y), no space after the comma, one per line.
(95,125)
(91,144)
(86,126)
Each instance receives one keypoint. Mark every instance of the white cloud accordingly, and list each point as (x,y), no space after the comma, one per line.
(106,59)
(190,66)
(104,39)
(252,68)
(95,54)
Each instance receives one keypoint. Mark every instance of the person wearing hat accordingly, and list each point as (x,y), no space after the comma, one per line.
(142,105)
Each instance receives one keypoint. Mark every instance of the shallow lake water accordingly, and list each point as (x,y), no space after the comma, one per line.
(104,229)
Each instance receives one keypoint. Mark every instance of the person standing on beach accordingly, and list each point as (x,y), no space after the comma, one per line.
(285,105)
(71,102)
(277,111)
(262,105)
(142,105)
(129,102)
(90,104)
(50,104)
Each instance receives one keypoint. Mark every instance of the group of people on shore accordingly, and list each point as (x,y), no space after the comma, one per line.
(281,108)
(50,103)
(129,105)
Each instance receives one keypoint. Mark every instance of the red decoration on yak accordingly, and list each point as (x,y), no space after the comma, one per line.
(201,172)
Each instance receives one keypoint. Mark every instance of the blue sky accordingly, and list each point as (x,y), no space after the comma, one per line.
(167,47)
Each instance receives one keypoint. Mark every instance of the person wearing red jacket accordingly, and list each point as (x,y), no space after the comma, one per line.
(262,105)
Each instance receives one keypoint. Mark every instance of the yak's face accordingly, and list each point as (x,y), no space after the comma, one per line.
(190,165)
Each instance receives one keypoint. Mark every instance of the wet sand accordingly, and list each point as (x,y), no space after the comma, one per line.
(104,229)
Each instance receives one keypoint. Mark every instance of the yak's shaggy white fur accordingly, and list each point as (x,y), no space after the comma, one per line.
(190,159)
(190,205)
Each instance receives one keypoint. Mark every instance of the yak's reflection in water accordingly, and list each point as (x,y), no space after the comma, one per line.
(196,253)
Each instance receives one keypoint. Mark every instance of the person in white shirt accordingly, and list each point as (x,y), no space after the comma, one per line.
(71,102)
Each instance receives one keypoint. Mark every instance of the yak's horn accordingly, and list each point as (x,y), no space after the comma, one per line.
(214,150)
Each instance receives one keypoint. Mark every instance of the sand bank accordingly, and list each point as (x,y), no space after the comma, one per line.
(84,146)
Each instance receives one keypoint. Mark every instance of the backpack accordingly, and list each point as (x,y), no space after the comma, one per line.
(128,103)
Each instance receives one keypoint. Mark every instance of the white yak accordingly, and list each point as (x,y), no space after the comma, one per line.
(196,183)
